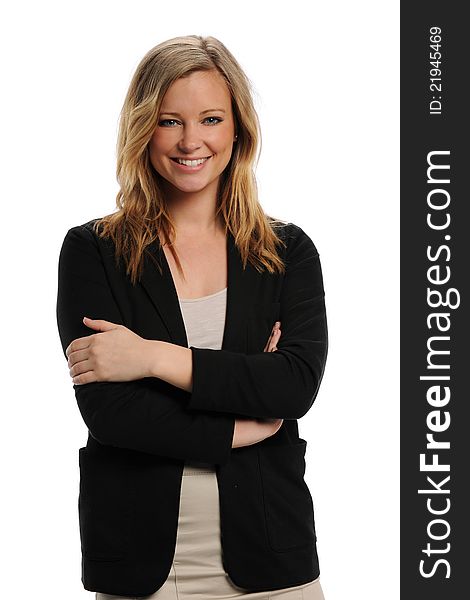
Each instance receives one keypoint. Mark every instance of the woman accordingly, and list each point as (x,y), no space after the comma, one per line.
(169,314)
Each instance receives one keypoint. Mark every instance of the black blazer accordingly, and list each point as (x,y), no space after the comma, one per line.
(141,432)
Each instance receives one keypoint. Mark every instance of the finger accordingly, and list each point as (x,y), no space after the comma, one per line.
(78,344)
(100,324)
(77,356)
(266,348)
(268,343)
(88,377)
(82,367)
(274,332)
(273,340)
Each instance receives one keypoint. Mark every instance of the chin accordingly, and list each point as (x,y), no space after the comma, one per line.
(190,189)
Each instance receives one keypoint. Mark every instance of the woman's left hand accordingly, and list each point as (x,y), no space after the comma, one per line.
(114,354)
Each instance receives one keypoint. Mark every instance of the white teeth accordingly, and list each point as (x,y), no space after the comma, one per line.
(191,163)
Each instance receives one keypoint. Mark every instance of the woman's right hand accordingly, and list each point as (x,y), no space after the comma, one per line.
(251,431)
(273,338)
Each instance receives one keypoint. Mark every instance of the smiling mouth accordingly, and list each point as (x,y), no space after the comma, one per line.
(191,163)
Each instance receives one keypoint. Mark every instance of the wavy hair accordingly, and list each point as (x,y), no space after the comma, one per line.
(142,217)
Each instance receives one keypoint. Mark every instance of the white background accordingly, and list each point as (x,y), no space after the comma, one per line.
(325,76)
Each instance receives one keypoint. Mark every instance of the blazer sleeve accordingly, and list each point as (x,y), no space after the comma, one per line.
(148,414)
(281,384)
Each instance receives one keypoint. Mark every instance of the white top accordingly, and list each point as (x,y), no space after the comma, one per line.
(204,320)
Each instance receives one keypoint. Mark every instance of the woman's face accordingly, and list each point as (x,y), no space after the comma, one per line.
(195,122)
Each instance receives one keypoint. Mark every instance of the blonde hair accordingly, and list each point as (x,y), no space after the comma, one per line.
(142,211)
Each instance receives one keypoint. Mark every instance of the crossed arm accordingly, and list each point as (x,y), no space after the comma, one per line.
(118,354)
(152,415)
(121,355)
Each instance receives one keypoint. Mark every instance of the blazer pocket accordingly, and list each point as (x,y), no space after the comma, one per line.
(105,506)
(288,503)
(259,324)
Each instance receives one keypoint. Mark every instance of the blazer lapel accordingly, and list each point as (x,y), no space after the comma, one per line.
(162,291)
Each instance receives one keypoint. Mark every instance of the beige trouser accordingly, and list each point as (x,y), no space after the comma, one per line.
(197,571)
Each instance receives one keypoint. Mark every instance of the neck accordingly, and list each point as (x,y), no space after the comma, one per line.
(193,213)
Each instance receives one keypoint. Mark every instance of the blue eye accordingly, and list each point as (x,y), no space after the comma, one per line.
(162,123)
(170,122)
(216,118)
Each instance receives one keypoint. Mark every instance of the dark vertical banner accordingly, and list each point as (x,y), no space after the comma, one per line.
(435,296)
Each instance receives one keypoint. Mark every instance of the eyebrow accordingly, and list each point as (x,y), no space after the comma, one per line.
(175,114)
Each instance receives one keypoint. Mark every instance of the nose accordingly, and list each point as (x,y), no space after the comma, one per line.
(190,139)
